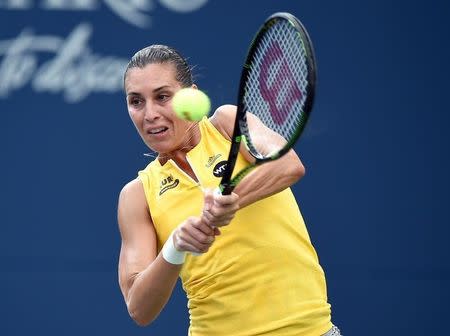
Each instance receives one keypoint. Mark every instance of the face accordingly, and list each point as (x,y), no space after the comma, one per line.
(149,100)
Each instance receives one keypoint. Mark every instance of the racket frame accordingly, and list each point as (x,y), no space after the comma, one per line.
(240,131)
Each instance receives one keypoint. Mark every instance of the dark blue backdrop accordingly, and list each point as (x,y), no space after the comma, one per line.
(375,196)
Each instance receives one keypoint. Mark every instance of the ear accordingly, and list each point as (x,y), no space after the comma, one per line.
(194,86)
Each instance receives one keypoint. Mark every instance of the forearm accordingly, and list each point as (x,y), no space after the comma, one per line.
(269,178)
(151,290)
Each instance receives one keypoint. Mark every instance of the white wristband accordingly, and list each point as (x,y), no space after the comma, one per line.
(171,254)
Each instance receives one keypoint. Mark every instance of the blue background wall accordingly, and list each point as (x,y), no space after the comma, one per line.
(375,196)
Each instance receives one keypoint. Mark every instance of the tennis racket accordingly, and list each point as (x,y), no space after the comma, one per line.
(276,95)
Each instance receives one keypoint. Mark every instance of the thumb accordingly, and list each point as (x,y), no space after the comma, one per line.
(208,199)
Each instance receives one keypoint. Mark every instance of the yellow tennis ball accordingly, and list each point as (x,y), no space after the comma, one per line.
(191,104)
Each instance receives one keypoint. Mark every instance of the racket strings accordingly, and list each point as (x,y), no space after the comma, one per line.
(277,84)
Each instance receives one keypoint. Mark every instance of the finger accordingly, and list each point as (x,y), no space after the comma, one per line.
(207,215)
(207,219)
(218,211)
(212,216)
(208,199)
(228,217)
(190,245)
(180,243)
(203,238)
(221,212)
(204,227)
(225,200)
(184,246)
(196,237)
(217,215)
(221,223)
(191,235)
(213,221)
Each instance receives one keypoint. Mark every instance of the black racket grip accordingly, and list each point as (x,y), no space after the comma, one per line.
(227,189)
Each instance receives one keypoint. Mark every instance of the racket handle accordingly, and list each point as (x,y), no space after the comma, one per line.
(226,189)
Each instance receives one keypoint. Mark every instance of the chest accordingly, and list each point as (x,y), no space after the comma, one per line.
(178,187)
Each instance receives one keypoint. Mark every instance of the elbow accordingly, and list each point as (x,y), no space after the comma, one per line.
(301,171)
(140,321)
(140,313)
(139,317)
(297,172)
(295,168)
(143,315)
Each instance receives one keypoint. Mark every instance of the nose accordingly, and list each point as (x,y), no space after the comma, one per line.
(151,113)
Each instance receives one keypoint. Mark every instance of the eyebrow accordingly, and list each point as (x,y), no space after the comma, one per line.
(161,88)
(154,90)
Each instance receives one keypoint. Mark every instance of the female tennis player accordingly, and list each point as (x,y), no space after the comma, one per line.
(245,260)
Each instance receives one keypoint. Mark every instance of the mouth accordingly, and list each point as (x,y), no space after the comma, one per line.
(159,130)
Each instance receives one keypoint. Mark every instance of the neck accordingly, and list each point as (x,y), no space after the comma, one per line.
(190,140)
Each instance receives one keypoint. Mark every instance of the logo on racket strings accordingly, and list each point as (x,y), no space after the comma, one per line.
(278,89)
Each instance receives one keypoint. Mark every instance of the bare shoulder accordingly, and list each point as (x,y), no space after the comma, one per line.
(132,205)
(223,120)
(132,191)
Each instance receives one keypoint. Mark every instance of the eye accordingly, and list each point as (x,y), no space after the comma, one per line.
(135,101)
(163,97)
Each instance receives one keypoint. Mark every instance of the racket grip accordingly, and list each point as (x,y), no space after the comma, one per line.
(227,189)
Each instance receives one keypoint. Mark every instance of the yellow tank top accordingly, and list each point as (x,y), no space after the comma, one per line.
(261,276)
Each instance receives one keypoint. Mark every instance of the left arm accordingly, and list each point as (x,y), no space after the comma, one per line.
(269,178)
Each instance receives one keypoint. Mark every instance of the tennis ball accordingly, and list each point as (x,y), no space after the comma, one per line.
(191,104)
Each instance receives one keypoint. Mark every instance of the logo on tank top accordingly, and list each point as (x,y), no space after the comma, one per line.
(219,169)
(167,184)
(212,159)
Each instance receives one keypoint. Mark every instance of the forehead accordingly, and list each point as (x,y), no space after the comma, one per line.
(151,77)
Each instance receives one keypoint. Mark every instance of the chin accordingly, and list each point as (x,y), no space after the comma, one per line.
(159,148)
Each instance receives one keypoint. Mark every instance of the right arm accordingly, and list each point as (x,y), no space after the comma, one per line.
(145,277)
